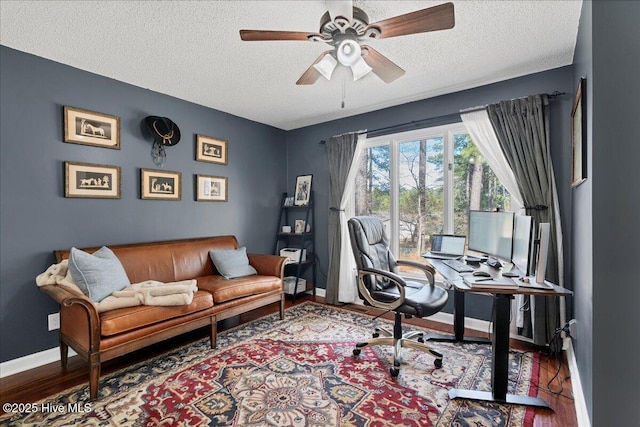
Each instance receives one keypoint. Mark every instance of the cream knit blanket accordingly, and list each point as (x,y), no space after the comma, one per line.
(150,292)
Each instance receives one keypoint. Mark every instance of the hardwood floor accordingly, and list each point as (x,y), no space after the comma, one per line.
(38,383)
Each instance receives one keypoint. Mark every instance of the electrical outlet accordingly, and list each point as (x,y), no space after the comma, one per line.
(573,328)
(54,321)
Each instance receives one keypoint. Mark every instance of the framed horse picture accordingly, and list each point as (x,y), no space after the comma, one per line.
(160,184)
(90,128)
(91,181)
(211,150)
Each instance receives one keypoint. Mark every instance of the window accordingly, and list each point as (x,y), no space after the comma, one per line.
(424,182)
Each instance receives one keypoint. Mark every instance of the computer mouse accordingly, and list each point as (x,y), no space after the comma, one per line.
(480,273)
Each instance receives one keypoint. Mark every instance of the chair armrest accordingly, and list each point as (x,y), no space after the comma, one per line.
(394,278)
(426,268)
(267,265)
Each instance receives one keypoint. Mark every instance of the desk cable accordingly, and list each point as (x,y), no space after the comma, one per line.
(555,349)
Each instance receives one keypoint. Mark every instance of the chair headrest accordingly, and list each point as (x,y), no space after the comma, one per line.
(372,228)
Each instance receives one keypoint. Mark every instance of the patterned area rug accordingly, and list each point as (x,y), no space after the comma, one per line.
(296,372)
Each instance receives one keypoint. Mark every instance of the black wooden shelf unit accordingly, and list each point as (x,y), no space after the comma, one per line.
(300,238)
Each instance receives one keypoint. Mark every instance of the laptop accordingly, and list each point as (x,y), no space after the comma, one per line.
(446,246)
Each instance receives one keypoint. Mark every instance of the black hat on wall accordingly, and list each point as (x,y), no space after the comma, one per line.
(163,130)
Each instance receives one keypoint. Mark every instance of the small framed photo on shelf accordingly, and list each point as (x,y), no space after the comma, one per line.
(303,190)
(211,150)
(91,128)
(579,136)
(160,184)
(211,188)
(91,181)
(299,226)
(288,201)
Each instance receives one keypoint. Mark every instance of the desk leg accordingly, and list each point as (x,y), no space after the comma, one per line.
(458,320)
(500,350)
(458,314)
(458,324)
(499,363)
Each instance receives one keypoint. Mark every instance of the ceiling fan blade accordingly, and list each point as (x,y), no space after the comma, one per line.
(265,35)
(342,8)
(382,66)
(311,75)
(434,18)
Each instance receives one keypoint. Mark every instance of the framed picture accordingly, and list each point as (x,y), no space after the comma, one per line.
(299,226)
(91,181)
(160,184)
(303,190)
(91,128)
(211,188)
(579,136)
(211,150)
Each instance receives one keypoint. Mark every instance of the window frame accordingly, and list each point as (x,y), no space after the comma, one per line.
(446,132)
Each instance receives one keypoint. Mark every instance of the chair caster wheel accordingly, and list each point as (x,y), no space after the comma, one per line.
(438,363)
(421,340)
(375,335)
(356,351)
(394,372)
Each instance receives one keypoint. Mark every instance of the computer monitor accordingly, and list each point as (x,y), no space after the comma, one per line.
(522,243)
(491,233)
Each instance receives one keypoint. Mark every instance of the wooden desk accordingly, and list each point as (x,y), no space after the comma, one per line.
(500,335)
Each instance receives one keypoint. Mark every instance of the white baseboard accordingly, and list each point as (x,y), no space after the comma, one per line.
(578,395)
(31,361)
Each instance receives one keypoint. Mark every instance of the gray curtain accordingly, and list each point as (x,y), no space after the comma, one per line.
(340,152)
(522,128)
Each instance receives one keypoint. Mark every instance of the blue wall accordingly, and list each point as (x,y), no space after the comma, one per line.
(615,62)
(605,208)
(582,221)
(36,218)
(307,156)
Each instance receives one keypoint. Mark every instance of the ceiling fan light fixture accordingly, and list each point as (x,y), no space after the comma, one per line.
(348,52)
(326,66)
(360,69)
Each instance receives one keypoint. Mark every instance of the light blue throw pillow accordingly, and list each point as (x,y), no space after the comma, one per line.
(98,275)
(232,263)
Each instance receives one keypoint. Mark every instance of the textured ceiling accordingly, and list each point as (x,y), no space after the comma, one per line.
(192,50)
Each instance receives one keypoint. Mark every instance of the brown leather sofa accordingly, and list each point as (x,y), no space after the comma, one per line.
(98,337)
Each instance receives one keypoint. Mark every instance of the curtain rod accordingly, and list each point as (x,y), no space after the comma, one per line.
(555,94)
(414,122)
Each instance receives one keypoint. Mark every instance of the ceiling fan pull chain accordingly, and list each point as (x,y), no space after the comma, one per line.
(344,82)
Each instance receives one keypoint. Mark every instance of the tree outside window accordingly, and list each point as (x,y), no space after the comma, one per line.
(424,187)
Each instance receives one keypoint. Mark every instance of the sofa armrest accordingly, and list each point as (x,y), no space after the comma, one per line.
(79,317)
(57,292)
(267,265)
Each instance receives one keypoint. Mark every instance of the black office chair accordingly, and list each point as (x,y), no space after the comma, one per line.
(380,286)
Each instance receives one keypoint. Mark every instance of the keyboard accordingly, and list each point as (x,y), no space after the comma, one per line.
(458,265)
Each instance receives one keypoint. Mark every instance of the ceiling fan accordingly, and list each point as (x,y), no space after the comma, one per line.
(345,27)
